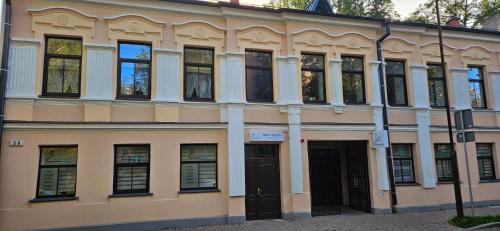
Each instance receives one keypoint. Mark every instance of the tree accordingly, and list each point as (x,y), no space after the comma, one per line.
(472,13)
(373,8)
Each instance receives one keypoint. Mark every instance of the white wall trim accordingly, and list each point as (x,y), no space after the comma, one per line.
(199,21)
(99,46)
(260,26)
(25,41)
(133,15)
(61,8)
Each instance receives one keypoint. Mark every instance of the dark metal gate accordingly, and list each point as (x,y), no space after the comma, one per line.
(359,183)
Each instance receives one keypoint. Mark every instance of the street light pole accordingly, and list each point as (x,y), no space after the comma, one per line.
(456,177)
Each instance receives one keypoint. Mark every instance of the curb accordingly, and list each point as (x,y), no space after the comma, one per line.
(487,225)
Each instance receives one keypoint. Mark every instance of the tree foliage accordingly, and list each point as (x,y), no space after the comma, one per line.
(472,13)
(373,8)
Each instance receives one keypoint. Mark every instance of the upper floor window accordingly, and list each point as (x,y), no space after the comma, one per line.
(485,161)
(131,169)
(259,76)
(198,74)
(62,69)
(313,78)
(403,163)
(436,85)
(57,171)
(476,87)
(396,83)
(198,166)
(134,70)
(442,153)
(353,81)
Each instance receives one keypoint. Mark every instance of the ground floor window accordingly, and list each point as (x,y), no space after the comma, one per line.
(485,161)
(131,173)
(403,163)
(444,171)
(57,171)
(198,166)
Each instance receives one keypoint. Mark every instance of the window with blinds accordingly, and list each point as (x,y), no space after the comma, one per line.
(198,166)
(485,161)
(131,169)
(57,171)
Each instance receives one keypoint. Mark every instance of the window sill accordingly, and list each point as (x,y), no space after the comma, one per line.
(132,99)
(489,181)
(198,191)
(407,184)
(130,195)
(51,199)
(445,182)
(59,97)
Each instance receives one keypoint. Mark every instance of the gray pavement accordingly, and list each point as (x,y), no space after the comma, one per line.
(404,221)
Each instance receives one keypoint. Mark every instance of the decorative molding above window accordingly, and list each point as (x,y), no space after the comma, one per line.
(475,53)
(354,41)
(255,36)
(199,33)
(135,27)
(432,50)
(313,39)
(398,46)
(62,21)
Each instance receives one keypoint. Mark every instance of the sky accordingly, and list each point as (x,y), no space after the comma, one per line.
(403,7)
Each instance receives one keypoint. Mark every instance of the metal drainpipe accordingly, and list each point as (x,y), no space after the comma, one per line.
(4,66)
(394,198)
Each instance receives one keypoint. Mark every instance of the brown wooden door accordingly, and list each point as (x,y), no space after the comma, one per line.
(262,181)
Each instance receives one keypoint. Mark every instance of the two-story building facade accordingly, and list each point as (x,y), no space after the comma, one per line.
(128,114)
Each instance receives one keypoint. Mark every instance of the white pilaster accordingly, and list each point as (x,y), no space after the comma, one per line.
(235,77)
(168,75)
(294,136)
(288,79)
(461,88)
(21,76)
(495,88)
(336,81)
(236,150)
(422,105)
(381,156)
(99,77)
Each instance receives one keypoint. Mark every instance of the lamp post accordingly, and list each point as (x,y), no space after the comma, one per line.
(456,177)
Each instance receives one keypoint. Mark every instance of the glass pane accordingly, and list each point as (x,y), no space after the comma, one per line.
(199,152)
(442,151)
(67,181)
(259,84)
(434,71)
(198,82)
(396,91)
(352,64)
(353,88)
(484,150)
(140,177)
(398,177)
(401,150)
(394,67)
(207,175)
(189,175)
(313,86)
(436,93)
(407,170)
(258,59)
(55,75)
(47,182)
(132,154)
(476,94)
(62,46)
(124,178)
(485,168)
(200,56)
(475,73)
(443,169)
(71,75)
(134,79)
(59,156)
(313,61)
(135,51)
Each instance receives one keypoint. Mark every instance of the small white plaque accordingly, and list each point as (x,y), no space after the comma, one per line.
(267,136)
(380,139)
(16,143)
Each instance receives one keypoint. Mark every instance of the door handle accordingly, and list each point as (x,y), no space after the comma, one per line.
(258,191)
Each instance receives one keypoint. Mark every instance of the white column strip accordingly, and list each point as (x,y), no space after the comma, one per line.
(168,76)
(294,136)
(99,77)
(21,78)
(337,95)
(495,89)
(236,150)
(283,73)
(460,88)
(420,86)
(235,77)
(376,100)
(425,149)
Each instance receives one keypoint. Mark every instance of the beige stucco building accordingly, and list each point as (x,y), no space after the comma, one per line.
(129,114)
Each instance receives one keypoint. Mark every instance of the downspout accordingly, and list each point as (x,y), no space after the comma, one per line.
(4,66)
(394,199)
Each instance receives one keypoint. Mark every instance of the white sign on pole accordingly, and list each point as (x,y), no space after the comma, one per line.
(380,139)
(267,136)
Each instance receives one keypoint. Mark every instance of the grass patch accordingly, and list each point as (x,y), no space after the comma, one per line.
(467,222)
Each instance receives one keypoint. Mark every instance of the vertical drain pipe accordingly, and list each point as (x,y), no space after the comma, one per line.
(4,66)
(394,198)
